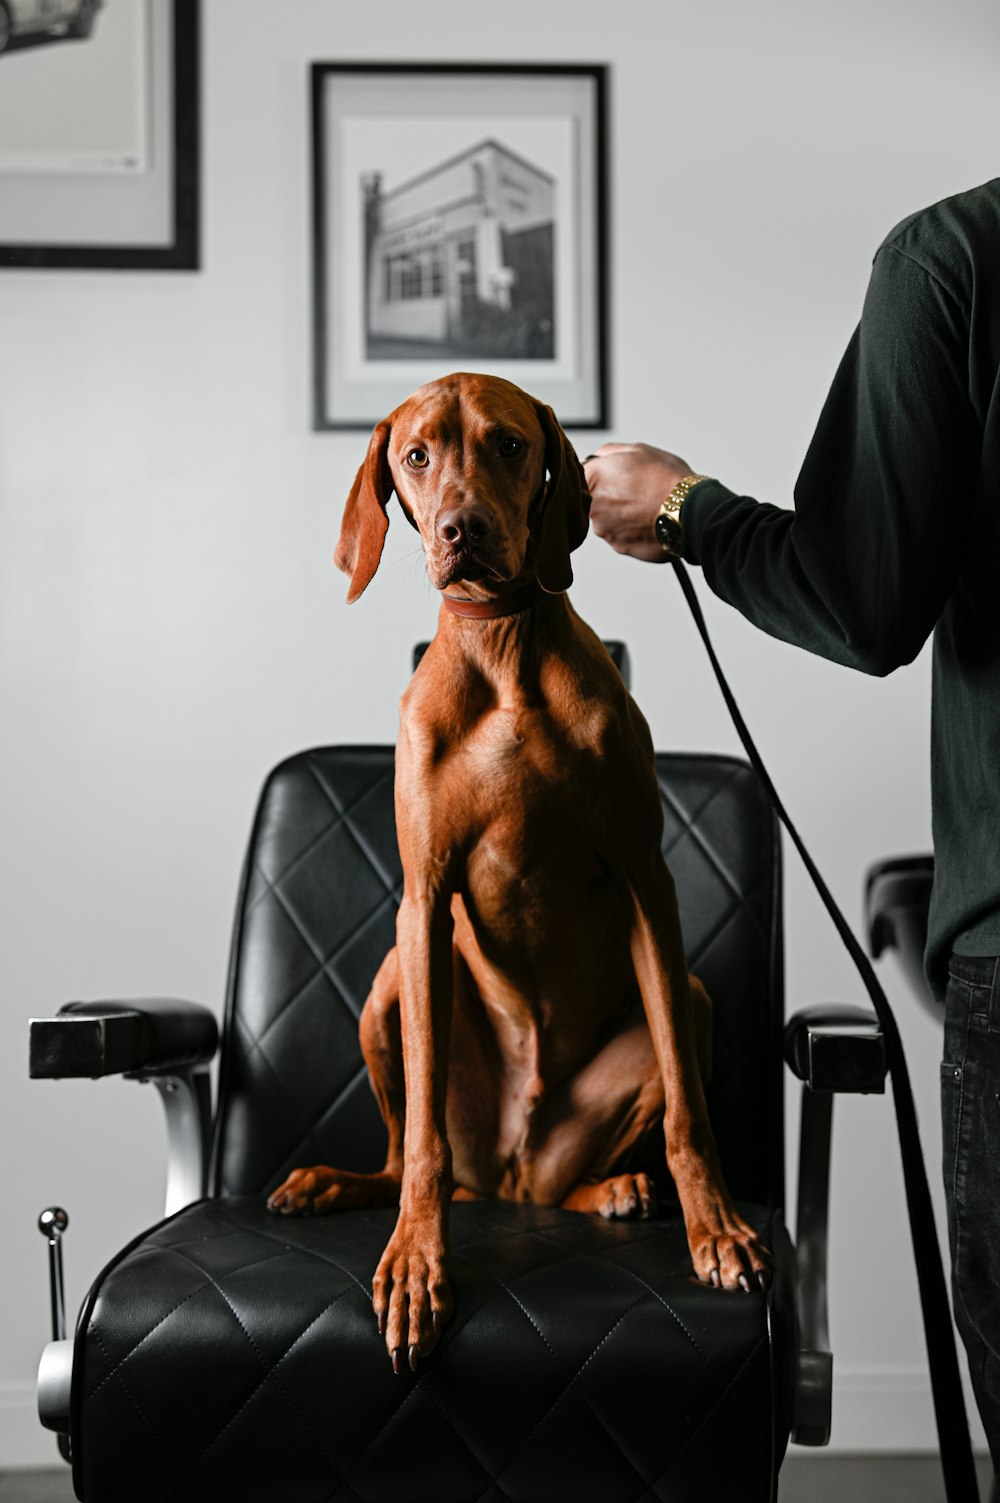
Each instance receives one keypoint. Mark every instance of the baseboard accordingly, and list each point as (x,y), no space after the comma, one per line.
(872,1411)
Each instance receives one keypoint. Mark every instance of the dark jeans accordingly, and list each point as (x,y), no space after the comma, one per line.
(970,1109)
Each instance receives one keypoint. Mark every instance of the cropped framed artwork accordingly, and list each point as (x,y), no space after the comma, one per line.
(459,215)
(99,124)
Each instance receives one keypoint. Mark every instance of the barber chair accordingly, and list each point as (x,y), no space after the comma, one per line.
(227,1355)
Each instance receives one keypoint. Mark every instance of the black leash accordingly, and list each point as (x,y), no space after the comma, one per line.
(949,1400)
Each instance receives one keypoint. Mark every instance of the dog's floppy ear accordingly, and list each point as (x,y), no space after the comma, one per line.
(363,530)
(565,507)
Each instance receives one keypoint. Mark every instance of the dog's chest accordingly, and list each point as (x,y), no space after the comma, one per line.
(531,754)
(538,808)
(513,744)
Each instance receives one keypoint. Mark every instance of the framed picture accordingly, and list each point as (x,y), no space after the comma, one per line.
(459,215)
(99,134)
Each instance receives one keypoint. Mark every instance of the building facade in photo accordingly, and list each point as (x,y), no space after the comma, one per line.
(462,258)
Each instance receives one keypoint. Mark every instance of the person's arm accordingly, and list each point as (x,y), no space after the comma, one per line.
(862,568)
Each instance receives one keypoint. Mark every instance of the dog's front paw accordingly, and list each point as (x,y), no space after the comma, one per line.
(411,1295)
(725,1249)
(729,1254)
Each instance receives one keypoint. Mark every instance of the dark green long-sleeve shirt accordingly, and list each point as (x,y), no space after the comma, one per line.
(896,532)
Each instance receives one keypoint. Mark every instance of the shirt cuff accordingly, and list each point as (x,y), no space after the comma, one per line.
(697,512)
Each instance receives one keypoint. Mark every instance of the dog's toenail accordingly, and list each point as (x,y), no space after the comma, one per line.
(413,1357)
(397,1353)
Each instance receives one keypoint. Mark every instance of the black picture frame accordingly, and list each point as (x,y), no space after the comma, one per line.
(359,102)
(182,251)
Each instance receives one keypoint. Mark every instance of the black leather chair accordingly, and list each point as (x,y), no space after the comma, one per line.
(229,1356)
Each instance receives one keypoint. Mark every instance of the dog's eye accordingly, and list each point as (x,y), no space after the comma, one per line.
(510,446)
(418,459)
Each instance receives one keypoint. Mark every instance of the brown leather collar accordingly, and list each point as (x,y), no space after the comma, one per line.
(491,610)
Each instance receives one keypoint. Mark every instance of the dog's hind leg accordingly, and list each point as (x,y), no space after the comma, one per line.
(321,1189)
(596,1137)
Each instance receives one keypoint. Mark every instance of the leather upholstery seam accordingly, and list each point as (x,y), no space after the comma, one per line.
(321,960)
(159,1249)
(165,1446)
(698,952)
(570,1383)
(715,793)
(429,1393)
(429,1390)
(310,1252)
(273,887)
(341,816)
(270,1370)
(323,964)
(384,1427)
(331,1106)
(761,1339)
(339,1490)
(93,1331)
(253,1044)
(383,876)
(619,1268)
(270,883)
(689,826)
(316,1125)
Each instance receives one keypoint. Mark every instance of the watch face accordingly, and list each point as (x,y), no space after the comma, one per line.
(668,531)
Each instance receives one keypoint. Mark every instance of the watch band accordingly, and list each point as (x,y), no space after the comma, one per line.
(668,521)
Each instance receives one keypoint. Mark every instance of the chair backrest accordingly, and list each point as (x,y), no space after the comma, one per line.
(316,915)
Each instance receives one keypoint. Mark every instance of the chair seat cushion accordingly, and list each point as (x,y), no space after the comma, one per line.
(233,1355)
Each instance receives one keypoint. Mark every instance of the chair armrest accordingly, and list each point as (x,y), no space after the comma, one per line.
(148,1036)
(831,1049)
(897,901)
(162,1040)
(837,1048)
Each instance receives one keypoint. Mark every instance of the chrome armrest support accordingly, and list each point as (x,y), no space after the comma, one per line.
(187,1102)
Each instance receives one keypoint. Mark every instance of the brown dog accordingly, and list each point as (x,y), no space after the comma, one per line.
(536,1004)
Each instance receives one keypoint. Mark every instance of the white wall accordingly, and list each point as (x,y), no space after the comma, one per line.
(171,623)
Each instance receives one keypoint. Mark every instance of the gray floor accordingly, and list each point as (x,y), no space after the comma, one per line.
(866,1479)
(804,1479)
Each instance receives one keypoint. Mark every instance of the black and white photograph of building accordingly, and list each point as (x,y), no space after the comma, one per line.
(458,224)
(460,258)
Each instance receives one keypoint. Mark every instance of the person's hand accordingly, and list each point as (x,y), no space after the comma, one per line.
(628,484)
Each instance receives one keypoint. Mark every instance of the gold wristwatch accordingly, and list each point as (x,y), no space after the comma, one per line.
(668,521)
